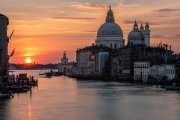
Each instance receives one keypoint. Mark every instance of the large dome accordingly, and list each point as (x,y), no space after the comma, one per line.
(135,35)
(110,29)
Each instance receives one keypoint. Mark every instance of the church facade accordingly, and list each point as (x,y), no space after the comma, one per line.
(64,67)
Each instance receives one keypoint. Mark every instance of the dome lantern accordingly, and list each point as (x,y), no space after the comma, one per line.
(110,17)
(135,25)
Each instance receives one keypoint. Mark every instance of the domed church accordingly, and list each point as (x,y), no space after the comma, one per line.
(141,36)
(110,34)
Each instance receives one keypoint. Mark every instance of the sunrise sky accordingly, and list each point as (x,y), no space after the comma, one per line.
(44,29)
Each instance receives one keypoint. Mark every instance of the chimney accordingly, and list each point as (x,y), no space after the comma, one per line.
(170,47)
(166,45)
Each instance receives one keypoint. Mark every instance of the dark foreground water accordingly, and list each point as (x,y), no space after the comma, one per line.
(62,98)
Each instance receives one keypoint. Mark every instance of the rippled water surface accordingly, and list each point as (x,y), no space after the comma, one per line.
(63,98)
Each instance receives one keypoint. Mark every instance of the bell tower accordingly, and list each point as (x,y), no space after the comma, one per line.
(147,34)
(64,60)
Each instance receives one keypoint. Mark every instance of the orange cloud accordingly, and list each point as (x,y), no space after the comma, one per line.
(89,5)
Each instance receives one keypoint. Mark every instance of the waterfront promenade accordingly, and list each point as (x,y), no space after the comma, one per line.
(66,98)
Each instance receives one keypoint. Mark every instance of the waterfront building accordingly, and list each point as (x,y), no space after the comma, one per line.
(141,70)
(170,69)
(65,67)
(121,57)
(167,70)
(144,67)
(129,54)
(91,60)
(115,65)
(4,40)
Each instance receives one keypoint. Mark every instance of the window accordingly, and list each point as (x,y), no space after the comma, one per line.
(92,57)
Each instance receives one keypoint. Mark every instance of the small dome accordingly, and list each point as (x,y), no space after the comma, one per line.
(110,29)
(135,35)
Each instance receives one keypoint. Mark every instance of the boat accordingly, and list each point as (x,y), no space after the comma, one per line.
(171,88)
(12,68)
(41,72)
(56,74)
(49,74)
(4,96)
(18,88)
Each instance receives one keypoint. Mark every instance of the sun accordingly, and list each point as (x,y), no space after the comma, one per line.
(28,60)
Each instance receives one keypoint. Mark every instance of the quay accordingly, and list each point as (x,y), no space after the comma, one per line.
(19,84)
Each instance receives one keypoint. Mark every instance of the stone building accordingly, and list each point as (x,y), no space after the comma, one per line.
(142,68)
(121,57)
(4,40)
(91,61)
(65,67)
(132,53)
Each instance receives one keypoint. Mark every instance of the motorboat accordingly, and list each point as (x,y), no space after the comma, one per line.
(49,74)
(41,72)
(56,74)
(18,88)
(172,87)
(4,96)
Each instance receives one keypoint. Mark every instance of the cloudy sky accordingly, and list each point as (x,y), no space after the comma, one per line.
(44,29)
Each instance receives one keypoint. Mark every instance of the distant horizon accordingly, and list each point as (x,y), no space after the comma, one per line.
(45,29)
(33,63)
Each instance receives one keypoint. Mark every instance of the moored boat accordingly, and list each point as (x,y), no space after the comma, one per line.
(48,74)
(171,87)
(56,74)
(41,72)
(4,96)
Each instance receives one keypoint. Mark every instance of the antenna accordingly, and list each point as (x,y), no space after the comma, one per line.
(12,53)
(11,34)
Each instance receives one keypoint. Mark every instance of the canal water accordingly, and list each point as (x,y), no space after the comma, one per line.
(63,98)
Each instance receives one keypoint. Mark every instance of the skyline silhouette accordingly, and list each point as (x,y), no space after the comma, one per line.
(45,29)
